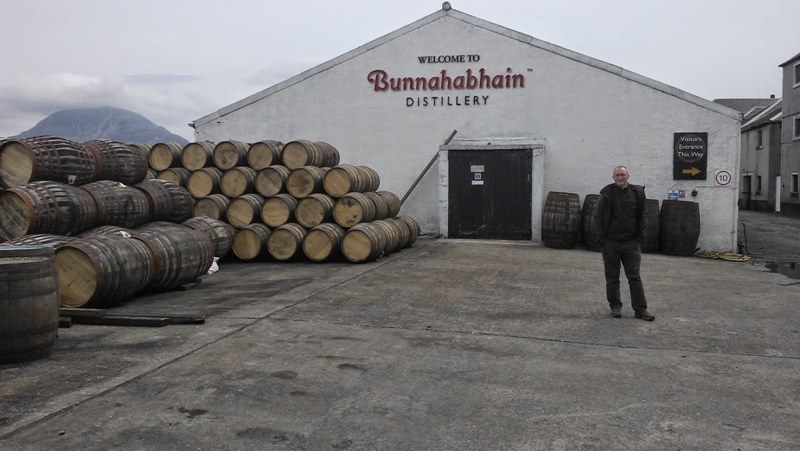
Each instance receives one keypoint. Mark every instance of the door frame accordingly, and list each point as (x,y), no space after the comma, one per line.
(534,145)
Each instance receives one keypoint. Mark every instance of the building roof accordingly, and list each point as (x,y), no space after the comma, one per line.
(789,60)
(480,23)
(745,105)
(770,114)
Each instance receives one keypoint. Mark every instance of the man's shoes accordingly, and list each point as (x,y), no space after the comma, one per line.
(645,315)
(616,311)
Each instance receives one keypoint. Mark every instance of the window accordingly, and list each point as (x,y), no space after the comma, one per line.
(760,143)
(746,184)
(795,182)
(758,184)
(796,130)
(797,74)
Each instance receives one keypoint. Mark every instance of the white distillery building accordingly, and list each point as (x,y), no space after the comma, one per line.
(531,118)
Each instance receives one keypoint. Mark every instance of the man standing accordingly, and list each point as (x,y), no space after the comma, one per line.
(619,222)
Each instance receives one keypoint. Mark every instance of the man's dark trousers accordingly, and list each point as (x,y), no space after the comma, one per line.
(629,253)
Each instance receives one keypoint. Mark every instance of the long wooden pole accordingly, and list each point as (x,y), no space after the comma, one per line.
(424,171)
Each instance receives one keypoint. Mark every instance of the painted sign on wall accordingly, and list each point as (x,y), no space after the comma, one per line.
(690,156)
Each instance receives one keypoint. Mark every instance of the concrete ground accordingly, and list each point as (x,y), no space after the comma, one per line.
(451,344)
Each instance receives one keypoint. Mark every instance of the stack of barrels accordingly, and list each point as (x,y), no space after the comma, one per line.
(115,232)
(288,201)
(672,230)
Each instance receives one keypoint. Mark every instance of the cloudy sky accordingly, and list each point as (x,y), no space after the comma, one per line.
(174,61)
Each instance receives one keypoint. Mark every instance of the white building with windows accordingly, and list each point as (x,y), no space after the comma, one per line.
(790,137)
(531,117)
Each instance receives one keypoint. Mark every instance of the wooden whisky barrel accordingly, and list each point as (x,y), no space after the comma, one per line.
(679,227)
(364,242)
(587,222)
(353,208)
(238,181)
(245,210)
(177,176)
(652,226)
(45,207)
(314,210)
(304,181)
(323,242)
(303,152)
(29,303)
(168,202)
(278,210)
(263,154)
(272,180)
(561,220)
(165,155)
(197,155)
(346,178)
(181,254)
(118,161)
(119,204)
(381,208)
(392,203)
(102,270)
(230,154)
(45,158)
(413,228)
(214,206)
(250,241)
(204,182)
(286,241)
(220,233)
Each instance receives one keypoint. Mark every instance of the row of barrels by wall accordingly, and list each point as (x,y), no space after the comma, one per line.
(672,228)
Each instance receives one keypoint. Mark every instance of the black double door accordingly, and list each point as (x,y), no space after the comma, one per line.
(489,194)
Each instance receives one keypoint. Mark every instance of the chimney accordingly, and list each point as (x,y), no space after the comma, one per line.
(772,96)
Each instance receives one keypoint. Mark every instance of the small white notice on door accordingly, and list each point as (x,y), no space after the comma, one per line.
(477,182)
(476,168)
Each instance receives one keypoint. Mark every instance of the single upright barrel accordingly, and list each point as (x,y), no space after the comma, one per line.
(680,227)
(652,226)
(561,220)
(28,304)
(587,222)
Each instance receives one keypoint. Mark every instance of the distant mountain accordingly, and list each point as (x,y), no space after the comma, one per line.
(86,124)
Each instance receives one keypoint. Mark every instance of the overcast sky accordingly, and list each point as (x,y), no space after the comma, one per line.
(174,61)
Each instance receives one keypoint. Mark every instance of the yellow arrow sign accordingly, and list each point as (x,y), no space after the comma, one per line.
(692,171)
